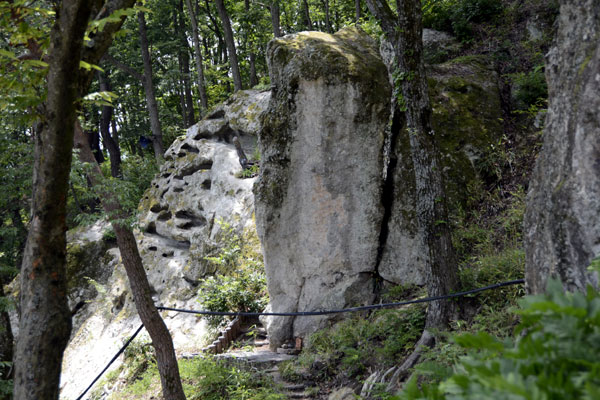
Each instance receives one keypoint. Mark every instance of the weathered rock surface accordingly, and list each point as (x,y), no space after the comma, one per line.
(320,201)
(195,189)
(318,211)
(466,103)
(562,219)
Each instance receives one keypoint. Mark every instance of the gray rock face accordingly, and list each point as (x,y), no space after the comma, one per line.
(562,219)
(196,187)
(318,212)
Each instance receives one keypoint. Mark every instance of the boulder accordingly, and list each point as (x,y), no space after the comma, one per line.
(562,218)
(318,209)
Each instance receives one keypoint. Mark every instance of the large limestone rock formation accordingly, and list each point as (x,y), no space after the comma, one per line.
(329,226)
(318,209)
(178,227)
(562,220)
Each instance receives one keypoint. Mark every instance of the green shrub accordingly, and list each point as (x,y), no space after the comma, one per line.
(529,88)
(457,16)
(555,355)
(240,283)
(214,380)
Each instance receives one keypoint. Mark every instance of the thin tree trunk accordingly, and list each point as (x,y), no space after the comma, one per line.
(275,18)
(357,10)
(198,58)
(251,55)
(114,152)
(432,214)
(157,140)
(45,323)
(327,21)
(6,343)
(185,66)
(306,12)
(138,281)
(229,41)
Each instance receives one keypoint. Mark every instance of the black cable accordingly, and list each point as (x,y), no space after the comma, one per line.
(127,343)
(305,313)
(345,310)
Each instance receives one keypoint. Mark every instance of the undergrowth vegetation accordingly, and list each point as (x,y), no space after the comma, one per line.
(239,283)
(203,378)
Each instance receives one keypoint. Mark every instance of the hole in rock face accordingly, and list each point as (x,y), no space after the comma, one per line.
(178,190)
(156,208)
(164,216)
(192,220)
(187,147)
(206,184)
(218,114)
(151,228)
(192,169)
(152,248)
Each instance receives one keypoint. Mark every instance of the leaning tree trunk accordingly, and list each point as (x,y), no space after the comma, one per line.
(198,58)
(562,218)
(45,323)
(405,32)
(157,140)
(138,281)
(229,42)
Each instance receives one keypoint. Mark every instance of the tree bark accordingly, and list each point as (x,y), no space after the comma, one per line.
(114,152)
(251,55)
(157,141)
(198,58)
(357,10)
(190,118)
(45,323)
(405,33)
(306,12)
(138,281)
(327,19)
(229,42)
(275,18)
(6,343)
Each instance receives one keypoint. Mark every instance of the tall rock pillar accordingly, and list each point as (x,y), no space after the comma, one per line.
(562,220)
(318,200)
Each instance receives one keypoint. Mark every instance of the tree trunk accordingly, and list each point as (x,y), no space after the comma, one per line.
(6,343)
(229,41)
(405,32)
(306,12)
(138,281)
(357,10)
(562,217)
(251,56)
(275,18)
(327,20)
(114,152)
(185,65)
(198,58)
(45,323)
(157,140)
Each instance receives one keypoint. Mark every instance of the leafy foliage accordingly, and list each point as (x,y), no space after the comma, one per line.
(215,380)
(555,354)
(457,16)
(240,283)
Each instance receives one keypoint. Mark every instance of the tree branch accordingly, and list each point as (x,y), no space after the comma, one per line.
(385,15)
(124,67)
